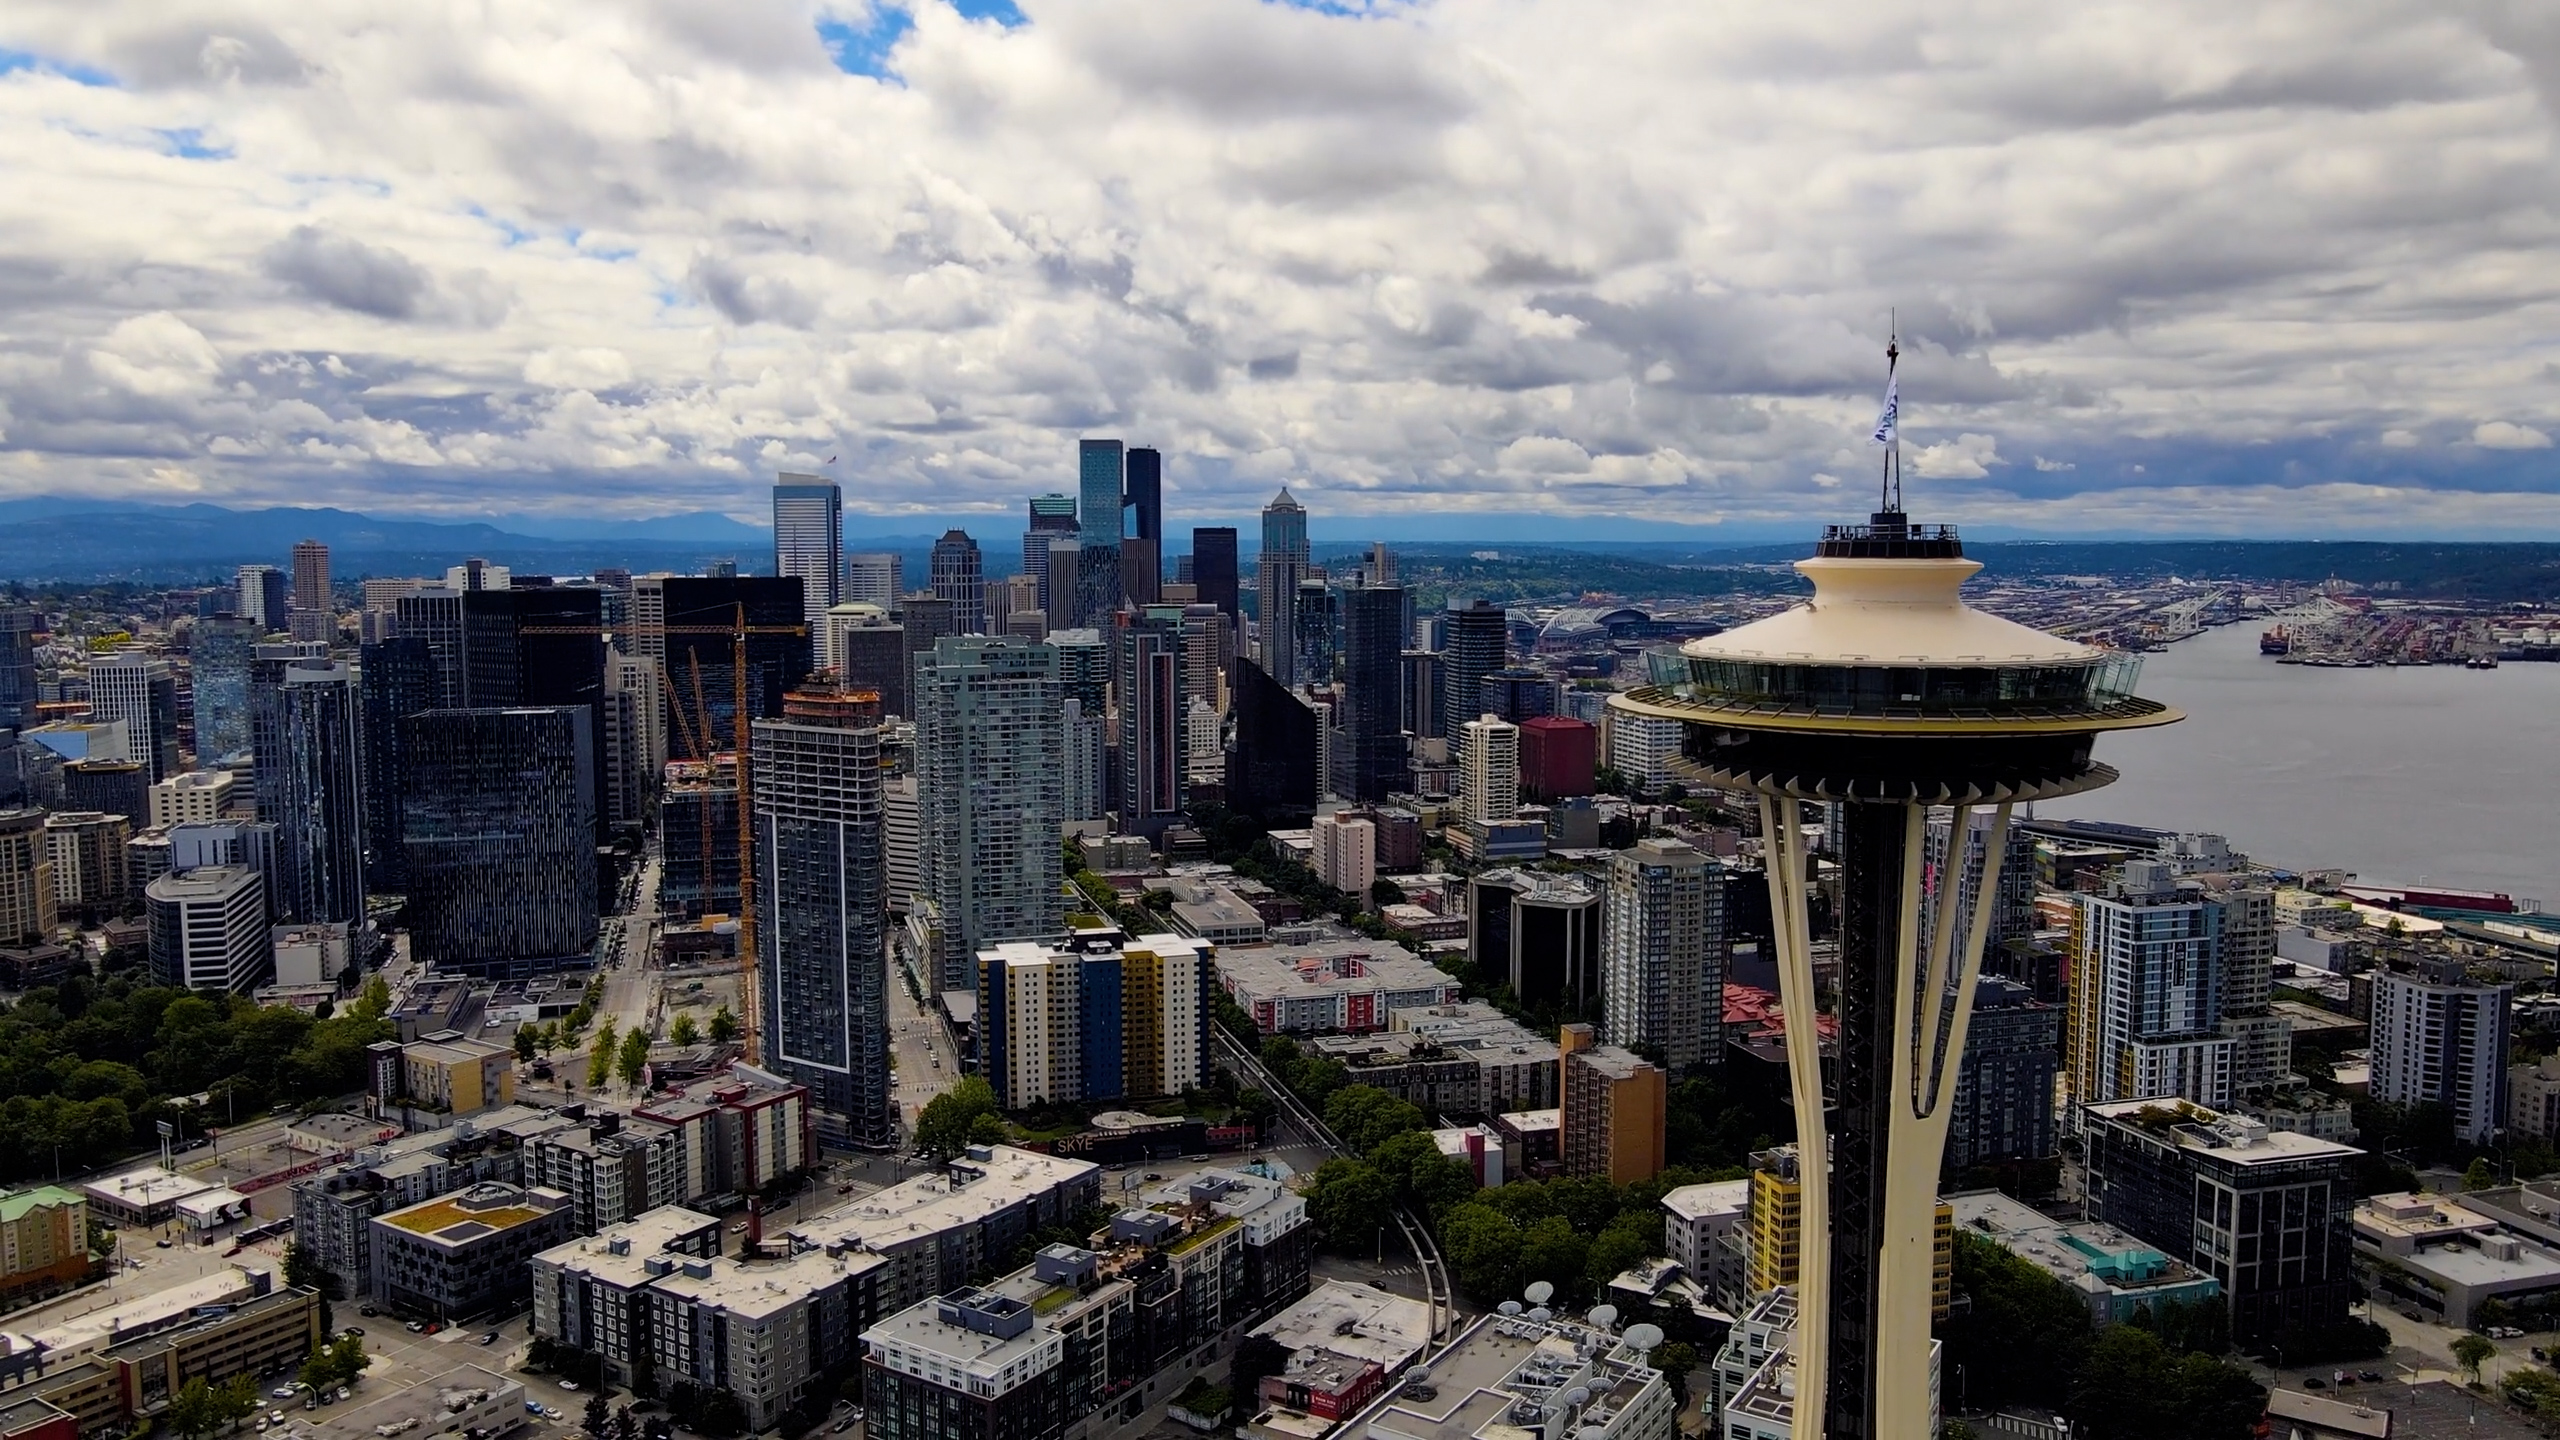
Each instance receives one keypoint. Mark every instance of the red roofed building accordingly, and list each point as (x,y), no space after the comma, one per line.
(1558,757)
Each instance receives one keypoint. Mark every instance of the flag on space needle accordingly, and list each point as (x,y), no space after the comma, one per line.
(1888,424)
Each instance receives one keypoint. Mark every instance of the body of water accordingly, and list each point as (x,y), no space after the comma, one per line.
(2434,775)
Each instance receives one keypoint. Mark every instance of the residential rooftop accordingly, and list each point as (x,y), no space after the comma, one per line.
(482,1210)
(1355,1319)
(2234,1139)
(1718,1197)
(932,1204)
(759,1289)
(620,1254)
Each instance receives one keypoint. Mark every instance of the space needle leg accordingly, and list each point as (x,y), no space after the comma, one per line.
(1783,838)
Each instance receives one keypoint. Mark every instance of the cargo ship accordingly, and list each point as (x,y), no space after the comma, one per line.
(2275,642)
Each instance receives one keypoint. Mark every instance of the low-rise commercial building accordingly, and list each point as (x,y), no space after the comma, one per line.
(2446,1255)
(111,1387)
(1547,1377)
(446,1073)
(468,1253)
(2113,1273)
(969,1365)
(1763,1406)
(1465,1059)
(1342,986)
(1706,1228)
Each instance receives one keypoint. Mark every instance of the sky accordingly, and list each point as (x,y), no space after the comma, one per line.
(2156,268)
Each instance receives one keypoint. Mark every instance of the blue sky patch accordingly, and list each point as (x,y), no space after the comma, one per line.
(189,144)
(16,60)
(865,50)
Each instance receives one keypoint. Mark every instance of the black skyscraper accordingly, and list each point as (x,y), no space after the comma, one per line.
(1476,646)
(1145,479)
(310,782)
(1370,744)
(1271,773)
(400,679)
(18,626)
(434,619)
(499,819)
(540,646)
(1213,567)
(775,663)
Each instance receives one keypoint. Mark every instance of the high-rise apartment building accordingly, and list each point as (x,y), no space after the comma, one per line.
(27,909)
(1560,758)
(208,929)
(822,908)
(310,783)
(499,822)
(2146,992)
(808,541)
(18,627)
(960,579)
(1345,853)
(314,615)
(1148,681)
(2004,1092)
(1369,749)
(2261,1039)
(1663,953)
(1478,639)
(1615,1107)
(88,850)
(1278,570)
(1100,1017)
(1489,770)
(990,794)
(400,678)
(2440,1038)
(142,691)
(194,798)
(218,656)
(1058,579)
(1100,476)
(1085,748)
(1213,568)
(875,578)
(266,596)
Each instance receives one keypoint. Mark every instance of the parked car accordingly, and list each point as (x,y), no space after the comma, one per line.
(491,1338)
(367,1311)
(2370,1377)
(356,1330)
(281,1392)
(569,1385)
(417,1327)
(2314,1382)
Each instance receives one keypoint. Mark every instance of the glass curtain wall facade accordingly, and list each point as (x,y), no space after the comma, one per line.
(499,821)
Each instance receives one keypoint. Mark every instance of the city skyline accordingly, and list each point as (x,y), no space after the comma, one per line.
(2133,301)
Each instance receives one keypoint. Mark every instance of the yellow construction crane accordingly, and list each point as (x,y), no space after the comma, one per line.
(750,998)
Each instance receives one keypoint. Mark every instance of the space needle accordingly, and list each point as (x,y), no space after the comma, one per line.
(1886,695)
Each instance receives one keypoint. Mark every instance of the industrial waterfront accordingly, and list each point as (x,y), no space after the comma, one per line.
(2413,774)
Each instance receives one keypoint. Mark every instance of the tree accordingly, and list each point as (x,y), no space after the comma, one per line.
(102,1239)
(235,1400)
(2132,1388)
(2471,1352)
(2479,1176)
(194,1410)
(634,1058)
(684,1031)
(1675,1359)
(1366,1116)
(1349,1201)
(600,1057)
(945,1127)
(525,1043)
(304,1270)
(595,1417)
(724,1026)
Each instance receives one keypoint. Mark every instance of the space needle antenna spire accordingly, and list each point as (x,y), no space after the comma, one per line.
(1888,433)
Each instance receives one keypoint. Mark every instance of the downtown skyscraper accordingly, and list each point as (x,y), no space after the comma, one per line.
(142,691)
(498,816)
(808,541)
(959,576)
(1147,675)
(314,616)
(821,888)
(989,792)
(310,782)
(1478,640)
(1662,953)
(1282,564)
(1099,477)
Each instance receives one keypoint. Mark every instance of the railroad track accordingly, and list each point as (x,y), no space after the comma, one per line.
(1437,1293)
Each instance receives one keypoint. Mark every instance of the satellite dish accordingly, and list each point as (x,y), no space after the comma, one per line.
(1604,1315)
(1577,1397)
(1509,1307)
(1542,1314)
(1539,1292)
(1644,1337)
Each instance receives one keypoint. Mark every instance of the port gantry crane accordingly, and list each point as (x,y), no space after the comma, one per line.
(750,998)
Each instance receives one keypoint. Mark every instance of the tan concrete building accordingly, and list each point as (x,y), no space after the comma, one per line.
(1615,1104)
(27,910)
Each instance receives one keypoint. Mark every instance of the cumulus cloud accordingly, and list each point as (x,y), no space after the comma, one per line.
(1402,260)
(2507,435)
(1966,457)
